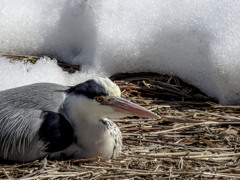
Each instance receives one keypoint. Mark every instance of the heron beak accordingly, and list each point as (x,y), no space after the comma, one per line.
(126,107)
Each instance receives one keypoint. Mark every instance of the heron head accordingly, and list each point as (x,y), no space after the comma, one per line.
(100,97)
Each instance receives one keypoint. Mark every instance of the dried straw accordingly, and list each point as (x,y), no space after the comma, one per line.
(196,138)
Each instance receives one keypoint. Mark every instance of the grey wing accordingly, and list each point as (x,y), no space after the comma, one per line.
(19,139)
(44,96)
(21,116)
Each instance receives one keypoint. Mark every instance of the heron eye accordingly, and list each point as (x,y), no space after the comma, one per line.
(99,99)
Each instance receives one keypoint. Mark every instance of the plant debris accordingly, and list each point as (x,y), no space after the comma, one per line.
(70,68)
(195,138)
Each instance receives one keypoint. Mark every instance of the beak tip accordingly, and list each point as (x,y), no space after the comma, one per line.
(149,114)
(155,116)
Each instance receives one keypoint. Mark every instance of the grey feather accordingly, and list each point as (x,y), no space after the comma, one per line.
(44,96)
(21,116)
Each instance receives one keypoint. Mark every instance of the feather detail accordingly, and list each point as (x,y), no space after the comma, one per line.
(18,129)
(116,135)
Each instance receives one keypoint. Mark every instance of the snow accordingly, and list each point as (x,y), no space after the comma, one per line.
(198,41)
(16,73)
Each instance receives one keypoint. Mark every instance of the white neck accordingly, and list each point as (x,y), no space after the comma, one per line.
(86,123)
(93,137)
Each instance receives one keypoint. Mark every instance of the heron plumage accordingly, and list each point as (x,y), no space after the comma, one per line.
(47,119)
(21,116)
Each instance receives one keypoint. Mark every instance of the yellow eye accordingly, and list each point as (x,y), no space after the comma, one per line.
(99,99)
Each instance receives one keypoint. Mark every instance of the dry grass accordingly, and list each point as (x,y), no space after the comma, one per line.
(196,138)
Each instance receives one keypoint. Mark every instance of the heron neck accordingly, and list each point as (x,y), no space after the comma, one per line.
(89,132)
(78,118)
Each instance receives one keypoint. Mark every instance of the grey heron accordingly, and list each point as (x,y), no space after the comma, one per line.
(47,119)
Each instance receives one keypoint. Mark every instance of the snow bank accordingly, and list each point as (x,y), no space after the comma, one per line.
(199,41)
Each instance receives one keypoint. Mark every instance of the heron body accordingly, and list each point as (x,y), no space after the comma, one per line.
(47,119)
(22,113)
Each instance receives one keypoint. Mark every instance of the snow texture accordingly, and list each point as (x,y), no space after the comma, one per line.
(197,40)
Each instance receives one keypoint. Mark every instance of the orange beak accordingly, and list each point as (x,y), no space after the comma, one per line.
(126,107)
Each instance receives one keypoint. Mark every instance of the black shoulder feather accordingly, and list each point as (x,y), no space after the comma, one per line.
(56,131)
